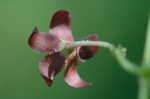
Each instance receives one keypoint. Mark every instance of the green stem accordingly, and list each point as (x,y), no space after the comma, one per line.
(144,83)
(144,89)
(125,63)
(117,53)
(89,43)
(146,57)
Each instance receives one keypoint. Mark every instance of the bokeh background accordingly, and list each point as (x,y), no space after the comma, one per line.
(116,21)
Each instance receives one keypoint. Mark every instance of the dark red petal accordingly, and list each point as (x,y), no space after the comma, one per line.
(57,62)
(43,68)
(43,42)
(47,80)
(86,52)
(50,66)
(60,25)
(71,76)
(60,18)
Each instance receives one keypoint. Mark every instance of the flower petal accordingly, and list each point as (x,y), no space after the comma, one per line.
(48,81)
(71,76)
(43,68)
(60,17)
(57,62)
(60,25)
(43,42)
(87,52)
(50,66)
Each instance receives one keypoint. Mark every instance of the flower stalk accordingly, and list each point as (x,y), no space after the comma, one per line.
(117,52)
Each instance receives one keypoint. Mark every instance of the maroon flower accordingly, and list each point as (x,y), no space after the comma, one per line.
(50,43)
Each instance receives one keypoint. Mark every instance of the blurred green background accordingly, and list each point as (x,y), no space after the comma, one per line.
(116,21)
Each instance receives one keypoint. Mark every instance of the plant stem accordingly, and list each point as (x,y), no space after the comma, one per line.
(117,53)
(146,57)
(90,43)
(144,84)
(125,63)
(144,89)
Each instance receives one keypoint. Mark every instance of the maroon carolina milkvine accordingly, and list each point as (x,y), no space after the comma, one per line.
(56,60)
